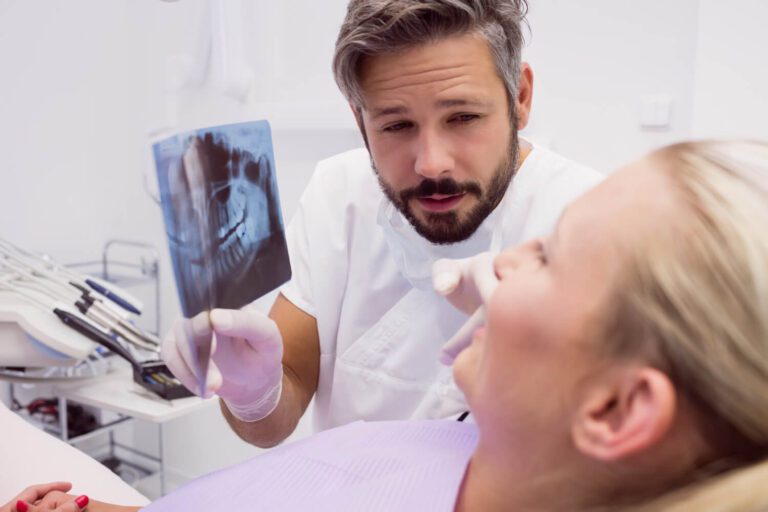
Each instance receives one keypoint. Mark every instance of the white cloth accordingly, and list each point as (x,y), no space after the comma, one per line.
(32,456)
(403,466)
(355,263)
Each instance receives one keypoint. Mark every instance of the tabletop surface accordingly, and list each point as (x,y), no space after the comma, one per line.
(117,392)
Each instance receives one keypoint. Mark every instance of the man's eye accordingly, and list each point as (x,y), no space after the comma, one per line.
(464,118)
(397,127)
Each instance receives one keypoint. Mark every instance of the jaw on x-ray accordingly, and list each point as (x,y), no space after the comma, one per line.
(222,215)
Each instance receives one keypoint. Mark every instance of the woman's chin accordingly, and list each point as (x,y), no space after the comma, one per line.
(465,368)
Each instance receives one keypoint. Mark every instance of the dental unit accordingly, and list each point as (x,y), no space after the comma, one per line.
(53,317)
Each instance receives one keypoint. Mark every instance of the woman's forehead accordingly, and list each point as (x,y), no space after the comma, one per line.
(635,196)
(616,217)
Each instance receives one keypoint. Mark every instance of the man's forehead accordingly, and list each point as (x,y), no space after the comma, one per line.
(458,58)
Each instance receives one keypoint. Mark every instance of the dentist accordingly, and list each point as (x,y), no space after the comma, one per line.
(439,92)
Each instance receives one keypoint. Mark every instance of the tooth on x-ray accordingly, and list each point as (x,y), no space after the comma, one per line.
(220,201)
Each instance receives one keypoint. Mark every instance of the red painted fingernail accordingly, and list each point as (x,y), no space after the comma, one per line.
(81,501)
(22,506)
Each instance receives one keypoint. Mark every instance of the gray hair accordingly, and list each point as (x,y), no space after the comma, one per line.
(374,27)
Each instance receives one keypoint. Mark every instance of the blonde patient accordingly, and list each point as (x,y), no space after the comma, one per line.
(626,354)
(624,361)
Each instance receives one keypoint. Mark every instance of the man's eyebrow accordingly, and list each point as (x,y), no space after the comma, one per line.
(461,102)
(388,111)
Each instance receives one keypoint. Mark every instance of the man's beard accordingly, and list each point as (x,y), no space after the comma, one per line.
(447,227)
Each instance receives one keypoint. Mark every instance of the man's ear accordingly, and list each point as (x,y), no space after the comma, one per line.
(625,417)
(524,98)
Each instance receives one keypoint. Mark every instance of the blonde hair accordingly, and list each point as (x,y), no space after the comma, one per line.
(696,302)
(739,490)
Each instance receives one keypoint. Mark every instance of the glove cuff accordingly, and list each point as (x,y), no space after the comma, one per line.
(259,409)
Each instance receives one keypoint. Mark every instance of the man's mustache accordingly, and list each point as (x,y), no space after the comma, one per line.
(446,187)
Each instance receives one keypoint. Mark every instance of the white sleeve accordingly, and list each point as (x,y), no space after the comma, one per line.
(320,238)
(299,289)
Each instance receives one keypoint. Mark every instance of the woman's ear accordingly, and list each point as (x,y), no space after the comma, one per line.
(625,416)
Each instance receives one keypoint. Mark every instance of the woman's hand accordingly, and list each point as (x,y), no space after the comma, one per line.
(51,497)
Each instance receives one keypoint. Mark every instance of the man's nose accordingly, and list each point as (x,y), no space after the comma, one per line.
(433,156)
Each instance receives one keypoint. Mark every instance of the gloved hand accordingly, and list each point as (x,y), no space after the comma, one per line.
(246,358)
(467,284)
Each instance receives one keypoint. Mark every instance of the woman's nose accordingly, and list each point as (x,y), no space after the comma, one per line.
(512,258)
(506,260)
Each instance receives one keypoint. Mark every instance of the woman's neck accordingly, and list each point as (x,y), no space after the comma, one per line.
(502,480)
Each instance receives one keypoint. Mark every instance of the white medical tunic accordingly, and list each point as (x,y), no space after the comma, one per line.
(362,271)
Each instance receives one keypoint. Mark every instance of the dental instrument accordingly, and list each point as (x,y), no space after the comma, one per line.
(97,335)
(149,339)
(32,288)
(91,311)
(117,299)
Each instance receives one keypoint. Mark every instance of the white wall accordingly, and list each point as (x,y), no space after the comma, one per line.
(731,97)
(593,62)
(82,86)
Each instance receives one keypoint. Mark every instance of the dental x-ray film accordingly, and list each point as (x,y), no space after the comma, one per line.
(222,215)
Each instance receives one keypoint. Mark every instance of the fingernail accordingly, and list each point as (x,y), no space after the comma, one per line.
(21,506)
(221,318)
(81,501)
(445,282)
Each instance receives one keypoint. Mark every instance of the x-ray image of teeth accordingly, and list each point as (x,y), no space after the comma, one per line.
(222,215)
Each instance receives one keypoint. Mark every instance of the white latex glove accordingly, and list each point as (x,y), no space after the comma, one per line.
(246,358)
(467,284)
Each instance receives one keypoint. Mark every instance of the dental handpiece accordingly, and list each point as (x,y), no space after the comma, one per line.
(118,317)
(102,338)
(90,312)
(117,299)
(87,293)
(103,308)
